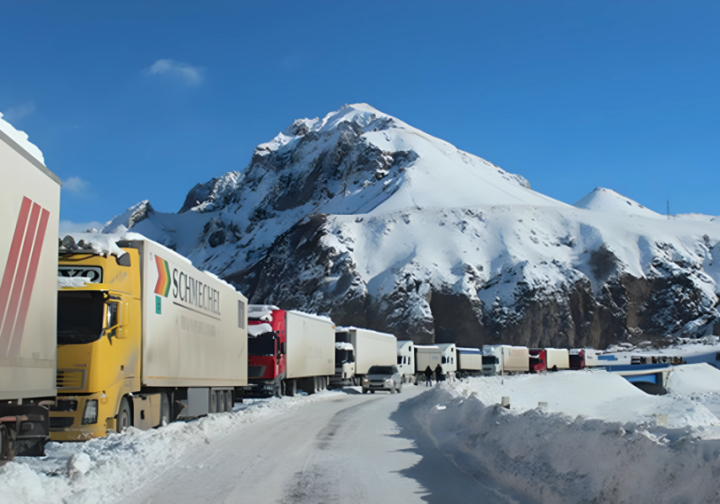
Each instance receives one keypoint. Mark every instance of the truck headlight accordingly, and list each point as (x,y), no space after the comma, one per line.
(91,412)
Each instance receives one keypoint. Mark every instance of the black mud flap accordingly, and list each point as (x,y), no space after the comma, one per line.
(28,429)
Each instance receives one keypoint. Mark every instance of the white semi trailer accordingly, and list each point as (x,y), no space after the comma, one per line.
(358,349)
(289,350)
(469,361)
(557,359)
(29,212)
(406,360)
(426,356)
(144,338)
(505,359)
(448,359)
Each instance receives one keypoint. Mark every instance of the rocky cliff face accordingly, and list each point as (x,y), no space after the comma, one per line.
(377,224)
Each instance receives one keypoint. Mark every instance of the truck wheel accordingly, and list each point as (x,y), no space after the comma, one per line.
(124,419)
(4,443)
(164,409)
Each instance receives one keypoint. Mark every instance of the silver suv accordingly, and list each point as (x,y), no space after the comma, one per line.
(382,378)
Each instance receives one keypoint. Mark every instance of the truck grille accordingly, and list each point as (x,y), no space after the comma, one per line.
(70,379)
(64,405)
(61,422)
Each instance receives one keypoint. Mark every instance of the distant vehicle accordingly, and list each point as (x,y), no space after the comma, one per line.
(29,210)
(426,356)
(557,359)
(505,359)
(358,349)
(469,362)
(538,360)
(581,358)
(289,351)
(144,338)
(406,360)
(448,359)
(382,378)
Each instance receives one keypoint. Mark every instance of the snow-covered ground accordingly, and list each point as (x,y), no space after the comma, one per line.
(102,470)
(568,437)
(598,439)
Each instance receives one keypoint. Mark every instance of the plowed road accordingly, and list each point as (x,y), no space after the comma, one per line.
(350,448)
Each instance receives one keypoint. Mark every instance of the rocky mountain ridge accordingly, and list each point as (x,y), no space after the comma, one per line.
(375,223)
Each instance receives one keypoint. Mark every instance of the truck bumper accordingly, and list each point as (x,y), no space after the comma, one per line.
(66,417)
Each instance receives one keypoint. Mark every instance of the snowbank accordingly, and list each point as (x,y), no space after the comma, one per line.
(597,440)
(102,470)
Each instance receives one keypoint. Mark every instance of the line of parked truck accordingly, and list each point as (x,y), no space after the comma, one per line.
(101,335)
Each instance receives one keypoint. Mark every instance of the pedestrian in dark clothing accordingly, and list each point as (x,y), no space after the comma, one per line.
(439,376)
(428,376)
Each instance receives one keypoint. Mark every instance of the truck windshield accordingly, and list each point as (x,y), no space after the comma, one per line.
(262,345)
(79,317)
(385,370)
(343,356)
(490,359)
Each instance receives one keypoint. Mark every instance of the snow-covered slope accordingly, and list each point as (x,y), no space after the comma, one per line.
(363,217)
(608,201)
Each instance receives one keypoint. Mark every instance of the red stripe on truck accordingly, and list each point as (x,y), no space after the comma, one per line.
(7,319)
(29,284)
(19,283)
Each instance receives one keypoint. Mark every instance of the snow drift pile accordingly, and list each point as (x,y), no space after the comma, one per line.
(378,224)
(597,439)
(103,469)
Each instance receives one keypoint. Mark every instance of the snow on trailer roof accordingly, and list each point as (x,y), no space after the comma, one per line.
(324,318)
(261,312)
(343,345)
(21,138)
(468,350)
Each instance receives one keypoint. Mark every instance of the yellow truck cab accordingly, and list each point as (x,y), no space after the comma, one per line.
(143,338)
(98,360)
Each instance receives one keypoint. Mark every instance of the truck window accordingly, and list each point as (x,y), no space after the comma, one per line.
(112,318)
(344,356)
(400,359)
(79,317)
(262,345)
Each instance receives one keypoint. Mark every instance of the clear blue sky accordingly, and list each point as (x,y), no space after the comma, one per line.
(569,94)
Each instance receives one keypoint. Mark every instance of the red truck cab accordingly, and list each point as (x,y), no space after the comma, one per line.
(266,349)
(538,360)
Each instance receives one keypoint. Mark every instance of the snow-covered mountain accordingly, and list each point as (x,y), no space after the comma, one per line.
(378,224)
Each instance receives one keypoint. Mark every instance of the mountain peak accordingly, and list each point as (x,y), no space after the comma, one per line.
(606,200)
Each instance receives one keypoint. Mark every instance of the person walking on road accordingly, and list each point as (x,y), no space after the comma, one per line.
(428,377)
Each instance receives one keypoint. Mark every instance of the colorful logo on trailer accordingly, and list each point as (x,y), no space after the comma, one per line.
(162,288)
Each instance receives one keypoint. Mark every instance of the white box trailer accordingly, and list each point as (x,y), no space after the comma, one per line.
(196,335)
(469,361)
(557,358)
(366,348)
(505,359)
(310,345)
(29,210)
(448,358)
(406,359)
(426,356)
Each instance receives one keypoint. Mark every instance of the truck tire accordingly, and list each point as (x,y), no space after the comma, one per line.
(213,401)
(230,401)
(124,417)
